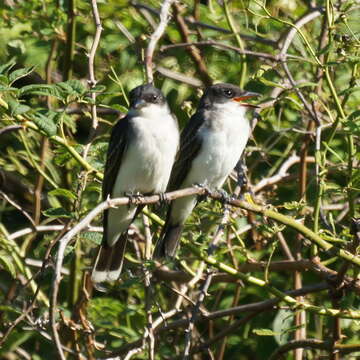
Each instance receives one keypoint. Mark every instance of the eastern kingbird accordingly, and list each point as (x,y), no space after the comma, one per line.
(210,146)
(141,154)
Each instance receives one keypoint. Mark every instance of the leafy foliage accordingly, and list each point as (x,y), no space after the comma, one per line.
(303,153)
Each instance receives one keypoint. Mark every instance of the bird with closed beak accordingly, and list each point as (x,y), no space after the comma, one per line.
(140,156)
(210,146)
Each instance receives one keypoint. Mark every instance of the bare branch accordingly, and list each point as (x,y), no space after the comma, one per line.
(155,37)
(92,80)
(256,307)
(282,173)
(191,21)
(312,344)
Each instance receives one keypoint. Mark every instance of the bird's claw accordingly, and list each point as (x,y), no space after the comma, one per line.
(133,197)
(241,171)
(224,196)
(163,199)
(207,190)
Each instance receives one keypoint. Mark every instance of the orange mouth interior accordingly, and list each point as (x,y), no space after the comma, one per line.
(242,98)
(245,97)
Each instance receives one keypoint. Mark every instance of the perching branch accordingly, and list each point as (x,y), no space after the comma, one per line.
(211,261)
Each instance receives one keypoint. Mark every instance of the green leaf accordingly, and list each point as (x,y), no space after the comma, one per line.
(45,123)
(16,108)
(72,87)
(4,68)
(15,339)
(58,212)
(264,332)
(41,89)
(8,264)
(20,73)
(354,115)
(293,205)
(121,108)
(7,88)
(8,308)
(64,193)
(98,89)
(306,84)
(93,236)
(282,323)
(271,83)
(350,90)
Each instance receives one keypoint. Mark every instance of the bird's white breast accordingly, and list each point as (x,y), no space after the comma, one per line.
(147,163)
(224,138)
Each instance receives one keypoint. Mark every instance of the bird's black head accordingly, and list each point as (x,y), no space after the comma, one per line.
(222,93)
(145,95)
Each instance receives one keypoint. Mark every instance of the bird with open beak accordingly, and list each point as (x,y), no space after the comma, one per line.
(210,146)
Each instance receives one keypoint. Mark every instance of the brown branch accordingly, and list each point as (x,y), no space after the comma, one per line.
(193,22)
(92,80)
(10,128)
(226,331)
(253,307)
(171,196)
(283,56)
(311,344)
(149,332)
(193,50)
(194,315)
(155,37)
(18,207)
(220,45)
(282,173)
(163,273)
(179,76)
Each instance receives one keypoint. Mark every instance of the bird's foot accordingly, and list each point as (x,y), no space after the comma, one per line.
(164,200)
(241,171)
(133,197)
(224,196)
(207,190)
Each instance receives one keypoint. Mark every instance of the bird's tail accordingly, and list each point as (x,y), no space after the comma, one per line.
(109,260)
(169,240)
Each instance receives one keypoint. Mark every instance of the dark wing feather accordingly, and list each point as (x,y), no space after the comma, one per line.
(190,144)
(118,144)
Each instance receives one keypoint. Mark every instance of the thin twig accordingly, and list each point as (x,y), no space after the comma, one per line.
(191,21)
(92,80)
(253,307)
(311,344)
(281,174)
(155,37)
(193,50)
(224,46)
(10,128)
(148,291)
(18,207)
(194,314)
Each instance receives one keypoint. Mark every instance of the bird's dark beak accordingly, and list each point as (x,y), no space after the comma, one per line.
(139,103)
(248,95)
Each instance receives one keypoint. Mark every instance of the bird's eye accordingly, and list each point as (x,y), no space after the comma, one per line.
(229,93)
(154,97)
